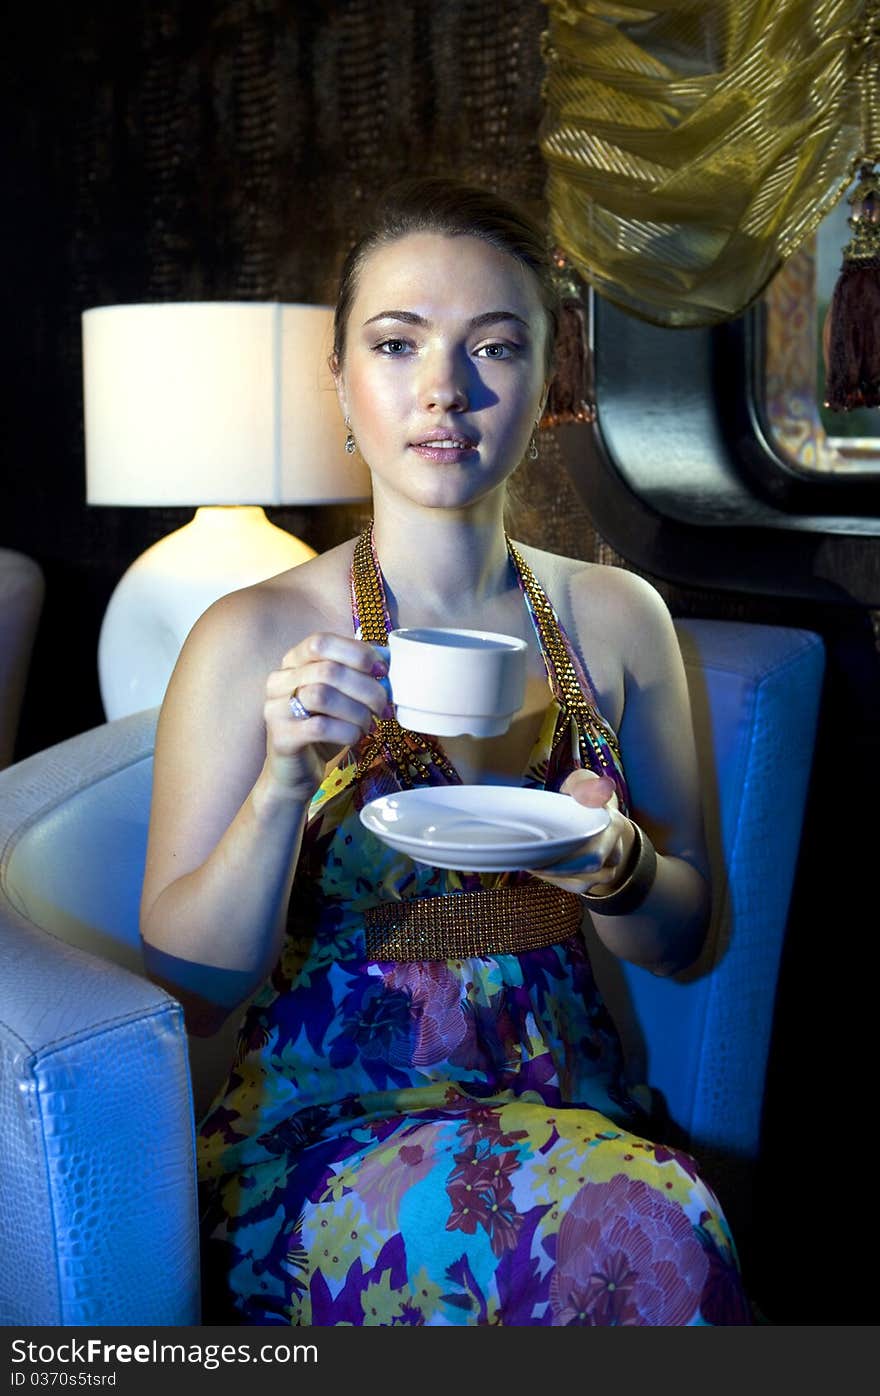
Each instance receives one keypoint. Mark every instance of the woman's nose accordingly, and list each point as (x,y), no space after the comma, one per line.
(444,383)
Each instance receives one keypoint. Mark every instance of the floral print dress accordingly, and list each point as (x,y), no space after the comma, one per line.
(443,1142)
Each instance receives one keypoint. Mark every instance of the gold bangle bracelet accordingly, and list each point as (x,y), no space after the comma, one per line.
(641,870)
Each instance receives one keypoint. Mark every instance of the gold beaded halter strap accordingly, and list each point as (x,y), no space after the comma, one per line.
(596,740)
(488,921)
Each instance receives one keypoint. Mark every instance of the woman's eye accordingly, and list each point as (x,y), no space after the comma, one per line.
(392,347)
(496,351)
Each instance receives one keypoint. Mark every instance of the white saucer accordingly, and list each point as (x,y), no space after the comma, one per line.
(482,828)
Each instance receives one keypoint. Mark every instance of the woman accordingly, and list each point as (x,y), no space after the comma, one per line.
(443,1141)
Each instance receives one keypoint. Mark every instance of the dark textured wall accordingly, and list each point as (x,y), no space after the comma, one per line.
(190,150)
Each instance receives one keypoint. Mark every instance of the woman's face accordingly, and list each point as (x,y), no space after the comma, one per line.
(443,376)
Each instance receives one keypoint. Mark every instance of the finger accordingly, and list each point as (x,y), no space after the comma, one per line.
(577,868)
(291,735)
(580,885)
(590,858)
(317,702)
(333,701)
(340,649)
(589,789)
(596,859)
(324,677)
(568,884)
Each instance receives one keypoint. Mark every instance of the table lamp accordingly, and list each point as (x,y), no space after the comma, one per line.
(223,406)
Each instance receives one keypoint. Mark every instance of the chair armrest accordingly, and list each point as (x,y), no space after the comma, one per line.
(98,1219)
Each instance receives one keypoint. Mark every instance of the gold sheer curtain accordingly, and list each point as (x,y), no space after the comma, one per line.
(691,147)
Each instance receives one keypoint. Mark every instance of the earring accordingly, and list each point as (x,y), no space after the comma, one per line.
(533,445)
(350,443)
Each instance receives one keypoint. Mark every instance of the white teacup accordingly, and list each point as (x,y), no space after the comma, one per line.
(450,682)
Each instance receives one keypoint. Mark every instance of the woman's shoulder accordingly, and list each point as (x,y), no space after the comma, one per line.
(605,599)
(269,617)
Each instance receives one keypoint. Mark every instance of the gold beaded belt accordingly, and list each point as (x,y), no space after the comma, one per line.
(491,921)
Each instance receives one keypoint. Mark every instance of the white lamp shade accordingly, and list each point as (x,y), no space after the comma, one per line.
(214,402)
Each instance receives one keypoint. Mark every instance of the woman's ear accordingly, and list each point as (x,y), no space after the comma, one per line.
(336,370)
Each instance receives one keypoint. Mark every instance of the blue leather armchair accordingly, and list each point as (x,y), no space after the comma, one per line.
(99,1087)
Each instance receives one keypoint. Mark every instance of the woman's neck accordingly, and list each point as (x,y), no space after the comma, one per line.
(438,565)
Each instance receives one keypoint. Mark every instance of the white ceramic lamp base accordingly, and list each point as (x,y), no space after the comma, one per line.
(168,587)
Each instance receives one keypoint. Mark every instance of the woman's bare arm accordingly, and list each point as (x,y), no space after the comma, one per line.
(666,932)
(233,776)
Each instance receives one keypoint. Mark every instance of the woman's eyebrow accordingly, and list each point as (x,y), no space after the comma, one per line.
(492,317)
(488,317)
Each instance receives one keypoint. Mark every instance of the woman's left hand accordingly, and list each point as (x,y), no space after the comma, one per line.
(595,866)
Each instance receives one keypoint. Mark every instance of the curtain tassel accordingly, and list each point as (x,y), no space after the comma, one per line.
(570,397)
(851,333)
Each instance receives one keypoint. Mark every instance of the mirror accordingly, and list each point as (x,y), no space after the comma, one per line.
(796,302)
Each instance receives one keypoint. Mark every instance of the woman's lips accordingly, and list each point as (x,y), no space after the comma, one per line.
(431,450)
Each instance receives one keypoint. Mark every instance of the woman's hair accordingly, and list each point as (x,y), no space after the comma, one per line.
(433,204)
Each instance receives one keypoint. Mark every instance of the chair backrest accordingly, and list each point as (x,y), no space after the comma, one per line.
(701,1040)
(73,829)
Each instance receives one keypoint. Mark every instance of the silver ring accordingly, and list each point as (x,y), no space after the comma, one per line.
(298,709)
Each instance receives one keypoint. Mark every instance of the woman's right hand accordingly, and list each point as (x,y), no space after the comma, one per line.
(338,680)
